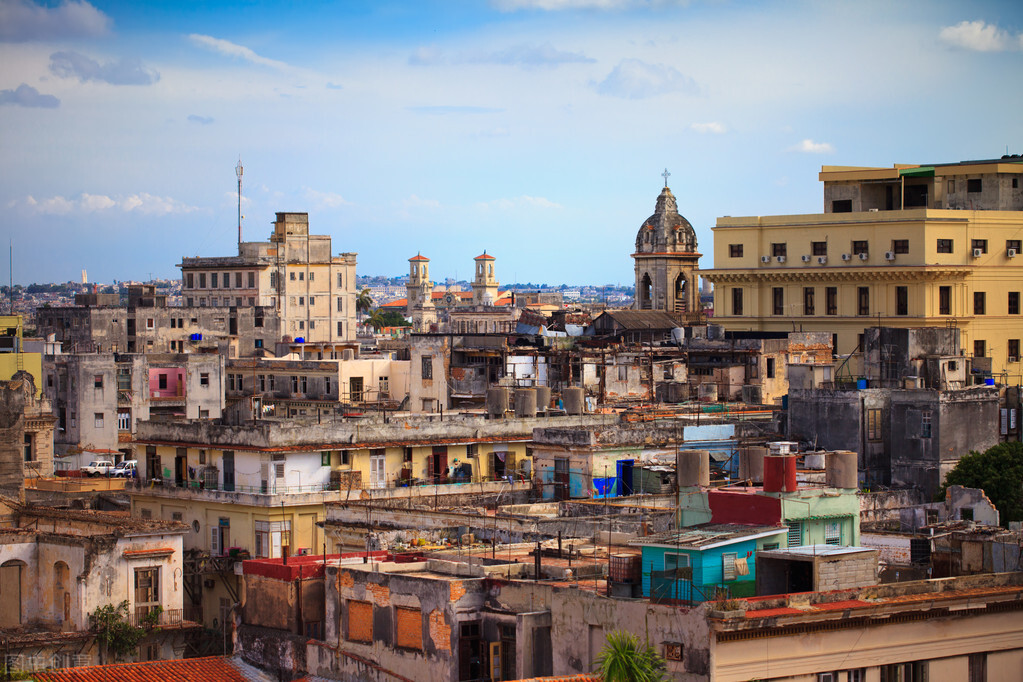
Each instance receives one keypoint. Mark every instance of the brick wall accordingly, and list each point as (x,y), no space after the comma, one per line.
(409,628)
(360,621)
(440,632)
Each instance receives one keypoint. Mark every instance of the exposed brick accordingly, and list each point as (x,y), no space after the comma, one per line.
(457,588)
(440,632)
(409,628)
(345,578)
(380,594)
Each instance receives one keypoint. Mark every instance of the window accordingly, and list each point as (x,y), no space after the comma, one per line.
(97,381)
(925,423)
(841,206)
(905,672)
(974,185)
(272,381)
(902,300)
(340,329)
(900,246)
(305,384)
(312,323)
(1015,245)
(301,324)
(427,367)
(360,621)
(831,301)
(292,273)
(29,451)
(979,348)
(944,246)
(832,533)
(778,299)
(383,383)
(728,570)
(252,280)
(1012,346)
(979,244)
(408,628)
(230,382)
(326,385)
(827,677)
(945,300)
(1014,303)
(204,378)
(237,280)
(301,300)
(979,299)
(190,281)
(819,248)
(795,534)
(978,662)
(340,281)
(778,250)
(770,368)
(340,304)
(258,343)
(808,296)
(124,419)
(311,276)
(325,459)
(202,280)
(859,247)
(863,300)
(674,560)
(346,458)
(873,424)
(98,420)
(294,384)
(213,280)
(735,250)
(147,591)
(736,300)
(150,323)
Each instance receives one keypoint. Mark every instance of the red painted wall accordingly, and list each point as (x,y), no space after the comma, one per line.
(741,507)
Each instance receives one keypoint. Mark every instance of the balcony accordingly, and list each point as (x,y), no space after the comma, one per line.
(155,616)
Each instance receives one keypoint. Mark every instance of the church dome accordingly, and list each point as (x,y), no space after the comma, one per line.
(666,231)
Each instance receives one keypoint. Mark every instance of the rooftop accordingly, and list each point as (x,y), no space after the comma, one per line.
(707,536)
(210,669)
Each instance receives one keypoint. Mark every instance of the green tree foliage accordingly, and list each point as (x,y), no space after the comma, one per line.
(363,302)
(114,630)
(998,471)
(624,659)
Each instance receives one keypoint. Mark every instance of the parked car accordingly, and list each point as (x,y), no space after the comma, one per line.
(98,467)
(126,469)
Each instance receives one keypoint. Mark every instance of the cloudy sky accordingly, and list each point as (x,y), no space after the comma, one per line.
(534,129)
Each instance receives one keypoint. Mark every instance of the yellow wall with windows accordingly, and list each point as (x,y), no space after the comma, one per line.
(922,269)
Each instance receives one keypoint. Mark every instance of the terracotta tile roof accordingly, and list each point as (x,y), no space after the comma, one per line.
(484,256)
(418,256)
(210,669)
(564,678)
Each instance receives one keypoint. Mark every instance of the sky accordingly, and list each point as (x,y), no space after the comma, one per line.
(536,130)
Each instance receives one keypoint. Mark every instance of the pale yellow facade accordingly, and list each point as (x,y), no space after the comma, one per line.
(842,272)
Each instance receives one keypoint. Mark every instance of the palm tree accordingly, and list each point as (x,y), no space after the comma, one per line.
(363,302)
(624,659)
(377,319)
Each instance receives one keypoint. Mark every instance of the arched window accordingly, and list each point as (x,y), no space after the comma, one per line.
(62,592)
(643,294)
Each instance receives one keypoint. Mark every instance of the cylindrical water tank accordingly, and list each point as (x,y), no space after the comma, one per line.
(574,398)
(779,473)
(525,402)
(708,393)
(751,463)
(497,401)
(693,468)
(841,470)
(543,398)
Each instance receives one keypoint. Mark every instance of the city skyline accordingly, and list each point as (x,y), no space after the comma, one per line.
(536,130)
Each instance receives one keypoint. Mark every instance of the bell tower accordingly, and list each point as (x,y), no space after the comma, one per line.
(419,307)
(667,262)
(484,286)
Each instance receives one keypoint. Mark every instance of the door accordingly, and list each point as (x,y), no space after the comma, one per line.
(229,470)
(355,387)
(561,479)
(377,475)
(180,470)
(625,471)
(439,464)
(10,594)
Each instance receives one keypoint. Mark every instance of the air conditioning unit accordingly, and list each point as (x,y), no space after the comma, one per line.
(889,255)
(977,253)
(1013,359)
(1011,253)
(806,259)
(846,256)
(864,256)
(781,259)
(765,259)
(821,260)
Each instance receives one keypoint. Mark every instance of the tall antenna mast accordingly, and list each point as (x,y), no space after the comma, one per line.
(238,171)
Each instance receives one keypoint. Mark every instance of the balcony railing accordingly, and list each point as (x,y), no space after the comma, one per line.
(142,617)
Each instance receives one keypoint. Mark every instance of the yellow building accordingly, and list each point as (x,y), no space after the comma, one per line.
(909,246)
(13,357)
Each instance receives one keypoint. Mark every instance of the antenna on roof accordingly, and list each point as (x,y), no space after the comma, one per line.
(238,171)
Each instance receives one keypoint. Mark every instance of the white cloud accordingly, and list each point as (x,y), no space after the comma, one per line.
(635,79)
(712,127)
(230,49)
(524,201)
(23,20)
(808,146)
(979,36)
(27,96)
(124,71)
(325,199)
(143,202)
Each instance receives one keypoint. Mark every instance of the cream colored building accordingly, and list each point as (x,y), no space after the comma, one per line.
(909,246)
(293,273)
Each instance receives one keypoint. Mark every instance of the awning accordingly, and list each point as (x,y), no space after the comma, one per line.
(921,172)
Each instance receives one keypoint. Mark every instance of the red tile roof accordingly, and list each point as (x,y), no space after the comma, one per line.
(418,256)
(484,256)
(564,678)
(210,669)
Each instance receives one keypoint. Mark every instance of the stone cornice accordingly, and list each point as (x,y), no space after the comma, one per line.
(859,274)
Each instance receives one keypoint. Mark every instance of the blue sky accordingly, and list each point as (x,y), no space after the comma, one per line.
(534,129)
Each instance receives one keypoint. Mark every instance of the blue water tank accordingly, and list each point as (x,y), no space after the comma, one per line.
(861,383)
(300,339)
(990,381)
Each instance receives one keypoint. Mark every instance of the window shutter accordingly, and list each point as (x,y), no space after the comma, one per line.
(215,541)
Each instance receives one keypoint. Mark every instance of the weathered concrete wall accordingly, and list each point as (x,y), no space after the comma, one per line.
(886,506)
(12,438)
(847,572)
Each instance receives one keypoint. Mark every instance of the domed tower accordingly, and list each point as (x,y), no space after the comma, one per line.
(485,286)
(667,263)
(419,307)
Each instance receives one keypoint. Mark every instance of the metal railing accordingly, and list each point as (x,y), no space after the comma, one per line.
(142,617)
